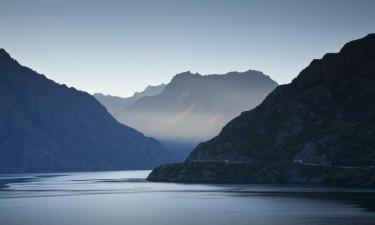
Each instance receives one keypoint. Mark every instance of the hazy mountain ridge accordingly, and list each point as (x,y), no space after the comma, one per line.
(319,128)
(48,127)
(115,104)
(195,107)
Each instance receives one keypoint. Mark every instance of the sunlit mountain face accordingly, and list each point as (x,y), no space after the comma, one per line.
(193,107)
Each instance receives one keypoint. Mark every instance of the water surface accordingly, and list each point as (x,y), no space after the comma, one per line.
(124,197)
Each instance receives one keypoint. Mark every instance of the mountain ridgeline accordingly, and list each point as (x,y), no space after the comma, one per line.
(116,104)
(193,107)
(320,128)
(47,127)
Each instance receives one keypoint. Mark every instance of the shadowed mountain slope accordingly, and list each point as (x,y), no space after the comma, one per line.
(319,128)
(47,127)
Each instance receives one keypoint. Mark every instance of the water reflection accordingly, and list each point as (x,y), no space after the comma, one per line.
(124,197)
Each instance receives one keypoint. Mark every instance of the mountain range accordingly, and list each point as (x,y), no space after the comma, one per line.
(193,107)
(48,127)
(115,105)
(320,128)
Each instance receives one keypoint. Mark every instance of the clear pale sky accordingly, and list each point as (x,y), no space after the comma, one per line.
(119,47)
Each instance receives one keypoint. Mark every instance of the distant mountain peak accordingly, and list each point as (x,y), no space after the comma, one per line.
(116,104)
(185,75)
(250,71)
(193,97)
(150,90)
(150,87)
(189,76)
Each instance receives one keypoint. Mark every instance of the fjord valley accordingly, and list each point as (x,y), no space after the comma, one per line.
(318,129)
(199,112)
(48,127)
(191,108)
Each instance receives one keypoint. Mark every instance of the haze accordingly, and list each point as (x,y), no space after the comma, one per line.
(119,47)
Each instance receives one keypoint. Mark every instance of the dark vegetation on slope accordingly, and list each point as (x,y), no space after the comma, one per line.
(325,118)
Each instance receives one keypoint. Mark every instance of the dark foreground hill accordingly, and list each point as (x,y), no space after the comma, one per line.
(320,128)
(47,127)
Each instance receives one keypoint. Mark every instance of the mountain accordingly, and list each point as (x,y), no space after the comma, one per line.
(116,104)
(320,128)
(193,107)
(47,127)
(150,90)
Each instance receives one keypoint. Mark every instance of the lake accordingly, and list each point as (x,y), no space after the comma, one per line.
(125,198)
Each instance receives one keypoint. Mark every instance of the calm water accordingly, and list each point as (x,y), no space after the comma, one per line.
(114,198)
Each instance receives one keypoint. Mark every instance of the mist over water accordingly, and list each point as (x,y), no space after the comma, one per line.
(124,197)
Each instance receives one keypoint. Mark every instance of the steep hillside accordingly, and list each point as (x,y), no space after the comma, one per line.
(47,127)
(318,128)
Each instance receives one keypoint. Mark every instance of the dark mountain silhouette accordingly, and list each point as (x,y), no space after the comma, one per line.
(48,127)
(116,104)
(193,107)
(319,128)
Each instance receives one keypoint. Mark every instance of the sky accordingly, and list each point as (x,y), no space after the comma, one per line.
(119,47)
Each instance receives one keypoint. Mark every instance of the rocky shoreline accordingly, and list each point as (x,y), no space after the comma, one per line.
(262,173)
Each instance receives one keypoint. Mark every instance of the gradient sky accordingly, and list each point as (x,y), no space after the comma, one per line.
(118,47)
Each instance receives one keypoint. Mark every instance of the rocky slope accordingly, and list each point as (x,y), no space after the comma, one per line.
(47,127)
(319,128)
